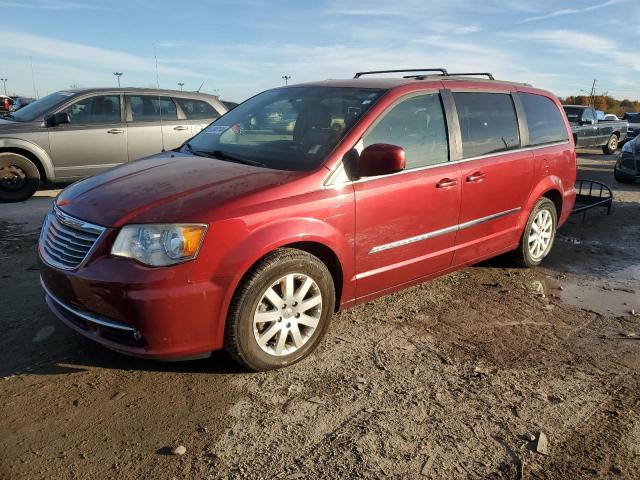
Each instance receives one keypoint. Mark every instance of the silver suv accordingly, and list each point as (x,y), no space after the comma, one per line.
(74,134)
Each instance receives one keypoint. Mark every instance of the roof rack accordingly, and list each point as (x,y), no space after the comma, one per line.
(473,74)
(441,70)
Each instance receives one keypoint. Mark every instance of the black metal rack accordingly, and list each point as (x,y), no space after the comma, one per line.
(440,72)
(374,72)
(589,194)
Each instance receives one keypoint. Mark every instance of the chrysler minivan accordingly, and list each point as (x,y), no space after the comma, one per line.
(250,235)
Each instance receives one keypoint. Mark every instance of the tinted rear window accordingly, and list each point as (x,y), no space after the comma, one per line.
(545,121)
(147,108)
(197,109)
(487,122)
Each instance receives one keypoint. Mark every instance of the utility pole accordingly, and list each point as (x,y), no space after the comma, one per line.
(181,84)
(4,80)
(593,94)
(118,75)
(286,79)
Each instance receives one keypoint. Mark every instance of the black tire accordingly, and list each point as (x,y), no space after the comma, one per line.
(623,177)
(240,340)
(19,177)
(523,256)
(611,145)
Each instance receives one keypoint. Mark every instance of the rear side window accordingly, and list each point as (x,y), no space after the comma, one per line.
(487,122)
(148,108)
(417,125)
(197,109)
(545,121)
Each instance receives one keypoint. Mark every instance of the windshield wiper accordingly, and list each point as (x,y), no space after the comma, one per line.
(220,155)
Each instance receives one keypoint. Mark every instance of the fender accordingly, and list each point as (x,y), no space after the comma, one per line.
(277,234)
(39,152)
(551,182)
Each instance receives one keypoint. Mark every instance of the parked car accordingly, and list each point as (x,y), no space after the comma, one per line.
(589,132)
(5,103)
(627,115)
(610,117)
(73,134)
(634,126)
(251,239)
(627,169)
(20,102)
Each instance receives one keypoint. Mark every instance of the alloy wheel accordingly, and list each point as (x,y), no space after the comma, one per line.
(540,234)
(287,314)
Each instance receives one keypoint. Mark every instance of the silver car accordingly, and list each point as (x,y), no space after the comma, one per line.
(74,134)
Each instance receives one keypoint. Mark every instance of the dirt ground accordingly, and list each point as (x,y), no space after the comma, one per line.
(455,378)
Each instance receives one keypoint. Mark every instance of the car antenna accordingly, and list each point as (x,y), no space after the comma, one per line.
(198,91)
(159,99)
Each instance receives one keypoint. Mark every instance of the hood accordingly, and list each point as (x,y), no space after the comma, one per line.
(7,125)
(169,187)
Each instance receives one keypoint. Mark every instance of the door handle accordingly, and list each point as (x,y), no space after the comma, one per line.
(180,128)
(115,130)
(446,183)
(476,177)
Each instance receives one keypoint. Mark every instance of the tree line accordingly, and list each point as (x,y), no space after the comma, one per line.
(604,102)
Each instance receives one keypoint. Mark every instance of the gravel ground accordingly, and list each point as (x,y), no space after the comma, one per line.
(490,372)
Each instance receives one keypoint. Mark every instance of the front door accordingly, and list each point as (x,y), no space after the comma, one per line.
(496,181)
(405,222)
(94,140)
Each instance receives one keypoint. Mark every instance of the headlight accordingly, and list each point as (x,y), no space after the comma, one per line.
(161,244)
(627,147)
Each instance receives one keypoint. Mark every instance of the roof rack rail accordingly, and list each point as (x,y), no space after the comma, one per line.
(441,70)
(472,74)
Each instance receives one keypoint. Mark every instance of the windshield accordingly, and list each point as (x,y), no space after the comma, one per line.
(36,109)
(292,128)
(573,113)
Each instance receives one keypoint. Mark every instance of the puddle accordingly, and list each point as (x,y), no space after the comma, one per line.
(604,298)
(631,272)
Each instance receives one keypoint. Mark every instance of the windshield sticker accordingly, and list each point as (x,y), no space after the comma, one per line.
(217,129)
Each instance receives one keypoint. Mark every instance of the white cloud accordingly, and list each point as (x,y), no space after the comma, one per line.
(571,11)
(51,5)
(76,53)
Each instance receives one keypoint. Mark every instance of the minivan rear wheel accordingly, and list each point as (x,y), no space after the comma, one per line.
(539,234)
(19,177)
(281,310)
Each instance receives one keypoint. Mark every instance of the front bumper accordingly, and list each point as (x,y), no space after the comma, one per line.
(154,313)
(629,165)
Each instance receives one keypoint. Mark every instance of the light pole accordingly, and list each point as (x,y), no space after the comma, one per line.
(286,79)
(180,84)
(4,81)
(118,75)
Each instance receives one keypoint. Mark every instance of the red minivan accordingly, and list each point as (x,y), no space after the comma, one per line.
(302,201)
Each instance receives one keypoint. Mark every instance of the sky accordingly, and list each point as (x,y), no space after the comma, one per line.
(237,48)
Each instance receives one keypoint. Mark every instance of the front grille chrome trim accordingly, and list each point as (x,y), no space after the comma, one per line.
(89,317)
(67,242)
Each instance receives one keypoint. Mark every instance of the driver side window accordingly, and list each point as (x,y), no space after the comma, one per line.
(95,110)
(417,125)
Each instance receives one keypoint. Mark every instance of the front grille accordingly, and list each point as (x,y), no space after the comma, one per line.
(66,241)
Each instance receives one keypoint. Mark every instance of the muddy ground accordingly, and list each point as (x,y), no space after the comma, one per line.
(451,379)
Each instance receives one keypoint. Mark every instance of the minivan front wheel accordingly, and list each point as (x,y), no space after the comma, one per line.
(19,177)
(281,310)
(539,234)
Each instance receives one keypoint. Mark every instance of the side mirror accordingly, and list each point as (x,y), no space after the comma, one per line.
(58,118)
(380,159)
(588,122)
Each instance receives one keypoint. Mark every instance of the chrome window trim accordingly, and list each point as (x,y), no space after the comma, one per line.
(443,231)
(89,318)
(333,174)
